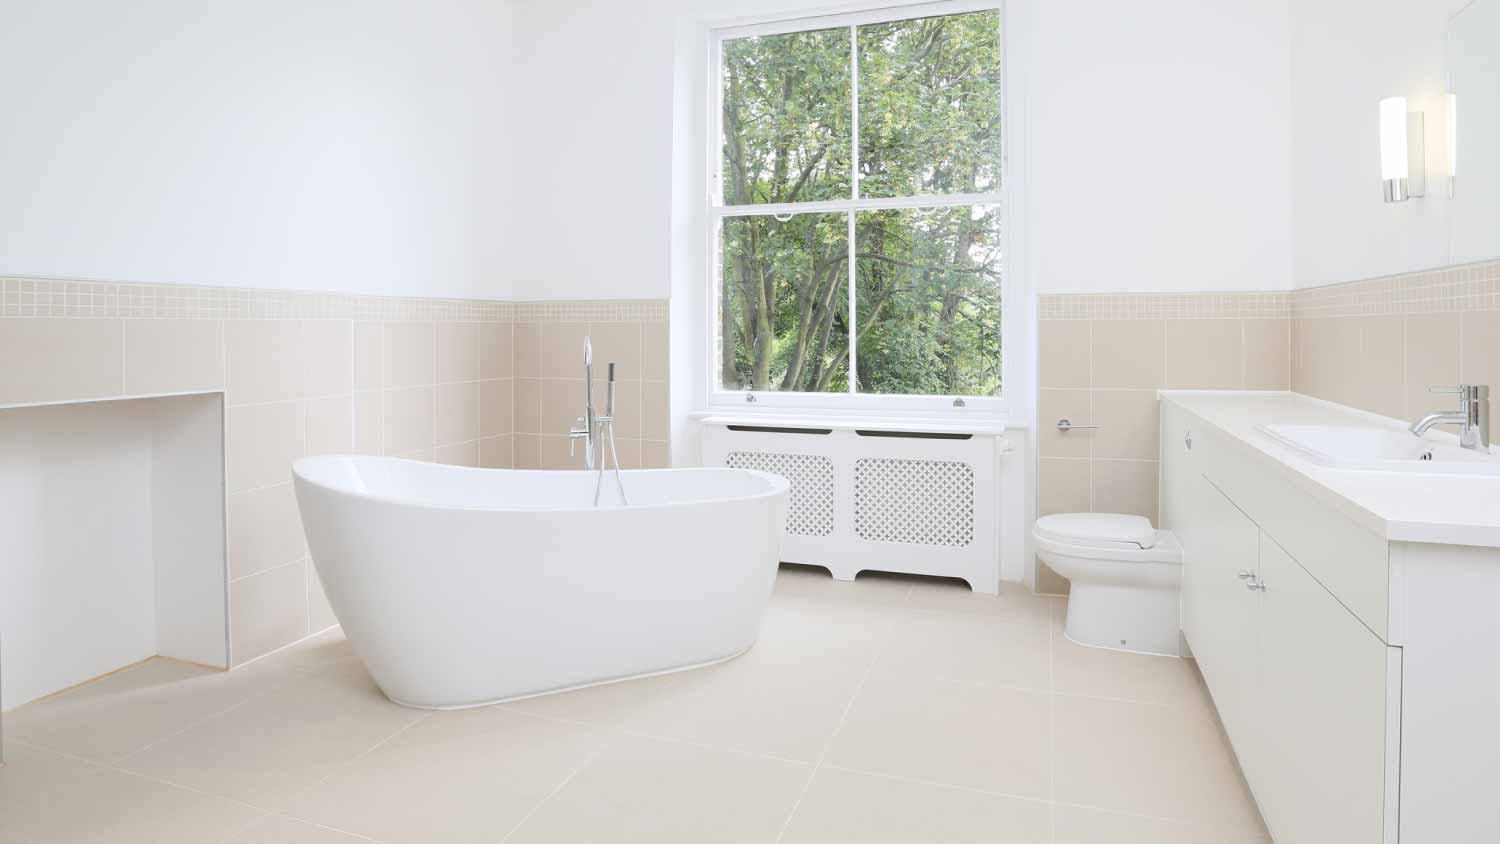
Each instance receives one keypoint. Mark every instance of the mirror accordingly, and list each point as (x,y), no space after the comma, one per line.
(1474,81)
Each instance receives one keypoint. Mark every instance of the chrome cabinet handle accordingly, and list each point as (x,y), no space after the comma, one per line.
(1066,425)
(1255,585)
(1247,575)
(1187,440)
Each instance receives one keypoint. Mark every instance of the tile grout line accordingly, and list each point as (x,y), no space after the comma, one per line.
(839,725)
(589,760)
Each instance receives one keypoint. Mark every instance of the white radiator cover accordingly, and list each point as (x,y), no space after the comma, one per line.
(914,501)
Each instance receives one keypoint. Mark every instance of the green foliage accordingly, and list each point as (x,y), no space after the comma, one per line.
(927,304)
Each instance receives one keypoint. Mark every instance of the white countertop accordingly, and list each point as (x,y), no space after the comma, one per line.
(1400,506)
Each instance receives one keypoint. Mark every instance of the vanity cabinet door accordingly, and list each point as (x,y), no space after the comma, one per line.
(1219,610)
(1322,712)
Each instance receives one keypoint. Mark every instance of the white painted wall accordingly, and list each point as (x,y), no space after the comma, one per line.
(1347,55)
(287,144)
(1159,141)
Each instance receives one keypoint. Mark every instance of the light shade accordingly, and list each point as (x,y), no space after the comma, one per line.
(1393,154)
(1452,110)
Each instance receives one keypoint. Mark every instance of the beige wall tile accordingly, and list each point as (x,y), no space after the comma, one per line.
(496,407)
(561,405)
(656,455)
(457,352)
(1131,424)
(1126,486)
(267,610)
(656,416)
(367,357)
(261,442)
(1064,346)
(655,360)
(263,360)
(408,420)
(263,530)
(620,343)
(330,425)
(528,350)
(627,406)
(496,453)
(1268,354)
(528,449)
(528,406)
(410,354)
(1298,329)
(326,349)
(1479,361)
(562,350)
(1204,354)
(58,359)
(173,355)
(496,352)
(1332,350)
(457,413)
(554,453)
(1073,405)
(458,454)
(1127,353)
(1379,384)
(1064,486)
(1431,361)
(369,423)
(628,451)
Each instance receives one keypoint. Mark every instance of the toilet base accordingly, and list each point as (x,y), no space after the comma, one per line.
(1124,618)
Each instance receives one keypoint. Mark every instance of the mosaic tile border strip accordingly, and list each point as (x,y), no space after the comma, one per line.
(67,298)
(1277,305)
(1468,287)
(643,310)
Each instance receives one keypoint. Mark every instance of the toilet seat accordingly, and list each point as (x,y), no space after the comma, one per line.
(1106,536)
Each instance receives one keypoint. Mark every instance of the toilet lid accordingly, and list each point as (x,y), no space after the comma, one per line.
(1098,530)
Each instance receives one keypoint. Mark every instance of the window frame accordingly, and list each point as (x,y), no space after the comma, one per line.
(715,212)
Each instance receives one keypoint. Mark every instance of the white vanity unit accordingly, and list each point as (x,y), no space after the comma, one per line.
(1345,620)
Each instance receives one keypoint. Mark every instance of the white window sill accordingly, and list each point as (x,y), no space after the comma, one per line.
(979,426)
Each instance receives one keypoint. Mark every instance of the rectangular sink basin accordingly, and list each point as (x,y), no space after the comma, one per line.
(1380,450)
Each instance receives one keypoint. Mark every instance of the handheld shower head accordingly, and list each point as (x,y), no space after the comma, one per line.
(588,351)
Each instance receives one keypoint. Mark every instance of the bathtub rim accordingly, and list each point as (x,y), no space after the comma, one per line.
(776,485)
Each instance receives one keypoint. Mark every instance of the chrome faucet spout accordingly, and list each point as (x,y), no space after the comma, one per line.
(1446,417)
(1472,416)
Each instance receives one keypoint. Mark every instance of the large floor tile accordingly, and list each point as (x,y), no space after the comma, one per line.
(317,654)
(46,798)
(873,587)
(971,647)
(1014,602)
(281,830)
(273,747)
(1148,759)
(1099,672)
(846,806)
(465,777)
(1076,825)
(643,790)
(994,738)
(123,712)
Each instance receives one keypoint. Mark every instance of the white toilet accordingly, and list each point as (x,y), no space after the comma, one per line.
(1125,578)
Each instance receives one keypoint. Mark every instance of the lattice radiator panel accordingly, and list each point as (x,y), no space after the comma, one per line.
(810,508)
(921,502)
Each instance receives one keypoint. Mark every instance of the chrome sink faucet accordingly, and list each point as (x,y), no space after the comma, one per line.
(1472,416)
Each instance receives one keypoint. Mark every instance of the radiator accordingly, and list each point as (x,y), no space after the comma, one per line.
(883,499)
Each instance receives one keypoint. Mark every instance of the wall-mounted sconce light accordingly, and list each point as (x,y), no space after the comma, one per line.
(1403,151)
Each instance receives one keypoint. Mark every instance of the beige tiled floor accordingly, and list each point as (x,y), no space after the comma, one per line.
(886,710)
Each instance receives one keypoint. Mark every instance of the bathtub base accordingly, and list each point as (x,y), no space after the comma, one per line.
(496,702)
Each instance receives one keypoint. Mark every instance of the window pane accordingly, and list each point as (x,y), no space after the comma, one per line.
(784,312)
(787,117)
(929,105)
(928,301)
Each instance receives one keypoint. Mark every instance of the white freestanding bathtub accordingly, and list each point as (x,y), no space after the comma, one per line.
(461,587)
